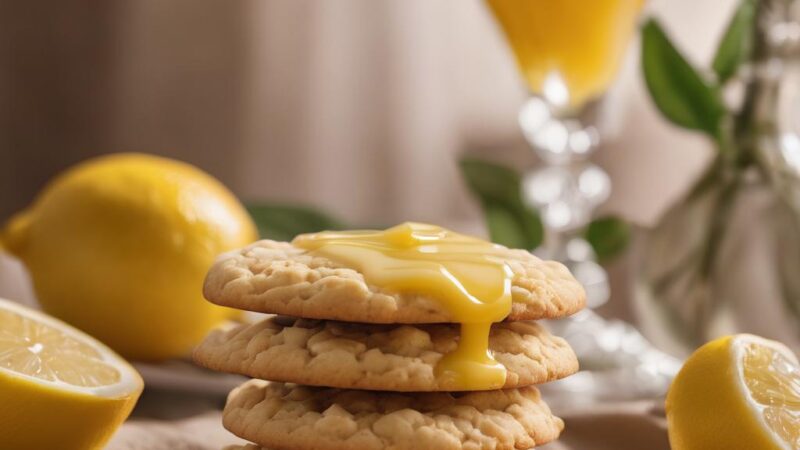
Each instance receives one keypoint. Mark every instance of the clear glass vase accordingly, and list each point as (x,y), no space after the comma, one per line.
(726,257)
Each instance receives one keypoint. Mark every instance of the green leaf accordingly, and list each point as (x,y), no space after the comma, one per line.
(512,229)
(737,42)
(492,182)
(498,188)
(504,228)
(608,236)
(284,222)
(677,89)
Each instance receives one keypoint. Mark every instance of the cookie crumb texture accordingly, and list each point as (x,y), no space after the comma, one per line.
(376,357)
(293,417)
(276,277)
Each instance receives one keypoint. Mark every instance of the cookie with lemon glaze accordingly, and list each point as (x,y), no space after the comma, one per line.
(292,417)
(280,278)
(377,357)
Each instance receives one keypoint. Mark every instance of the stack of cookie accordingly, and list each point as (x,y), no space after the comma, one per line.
(353,365)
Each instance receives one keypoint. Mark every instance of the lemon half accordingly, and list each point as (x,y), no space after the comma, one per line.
(737,392)
(59,388)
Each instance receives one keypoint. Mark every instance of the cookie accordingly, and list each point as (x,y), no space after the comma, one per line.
(292,417)
(279,278)
(376,357)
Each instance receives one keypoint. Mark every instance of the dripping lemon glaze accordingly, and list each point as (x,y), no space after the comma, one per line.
(464,273)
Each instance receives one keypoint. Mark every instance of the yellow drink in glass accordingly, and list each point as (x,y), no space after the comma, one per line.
(572,44)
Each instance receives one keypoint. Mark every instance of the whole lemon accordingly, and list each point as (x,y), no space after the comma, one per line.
(119,247)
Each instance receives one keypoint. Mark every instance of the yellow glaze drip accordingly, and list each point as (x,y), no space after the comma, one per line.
(465,274)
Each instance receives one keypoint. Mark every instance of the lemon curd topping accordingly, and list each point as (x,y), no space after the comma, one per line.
(465,274)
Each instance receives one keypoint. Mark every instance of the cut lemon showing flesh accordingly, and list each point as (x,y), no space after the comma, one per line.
(737,392)
(59,388)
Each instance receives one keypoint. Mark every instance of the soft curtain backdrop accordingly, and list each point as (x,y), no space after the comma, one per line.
(357,106)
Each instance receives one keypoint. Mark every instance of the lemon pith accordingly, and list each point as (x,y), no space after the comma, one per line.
(59,387)
(737,392)
(119,246)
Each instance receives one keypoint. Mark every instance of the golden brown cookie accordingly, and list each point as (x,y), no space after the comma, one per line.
(376,357)
(292,417)
(276,277)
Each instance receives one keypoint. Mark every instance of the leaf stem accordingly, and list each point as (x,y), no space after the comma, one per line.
(737,142)
(717,231)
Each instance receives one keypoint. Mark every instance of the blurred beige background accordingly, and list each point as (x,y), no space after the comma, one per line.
(356,106)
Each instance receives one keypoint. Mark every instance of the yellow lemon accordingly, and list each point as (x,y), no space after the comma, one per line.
(59,388)
(737,392)
(119,246)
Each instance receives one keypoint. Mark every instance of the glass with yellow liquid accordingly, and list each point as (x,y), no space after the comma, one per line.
(568,50)
(568,53)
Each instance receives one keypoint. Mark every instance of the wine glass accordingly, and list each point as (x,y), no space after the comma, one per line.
(568,53)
